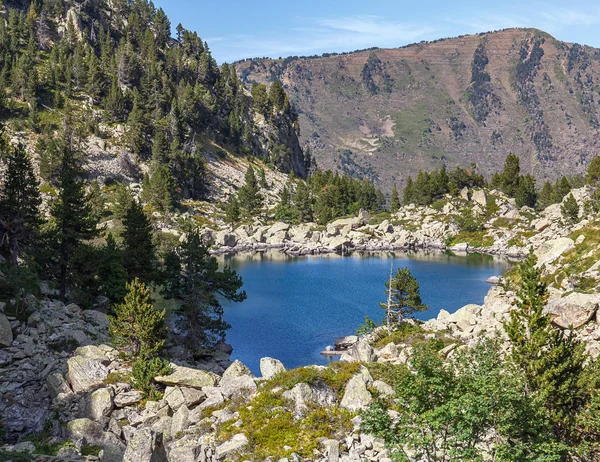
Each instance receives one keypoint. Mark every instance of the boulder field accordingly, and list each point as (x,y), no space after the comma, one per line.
(64,390)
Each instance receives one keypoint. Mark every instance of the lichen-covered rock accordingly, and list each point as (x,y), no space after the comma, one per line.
(270,367)
(356,396)
(146,445)
(174,397)
(128,398)
(188,377)
(84,373)
(574,310)
(235,444)
(101,404)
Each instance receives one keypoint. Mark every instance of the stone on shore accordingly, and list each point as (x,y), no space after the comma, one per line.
(270,367)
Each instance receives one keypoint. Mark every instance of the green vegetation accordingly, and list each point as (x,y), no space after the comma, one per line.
(430,187)
(270,427)
(143,372)
(192,276)
(137,326)
(403,298)
(445,409)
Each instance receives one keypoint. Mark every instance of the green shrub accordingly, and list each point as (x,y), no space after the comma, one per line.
(367,327)
(143,373)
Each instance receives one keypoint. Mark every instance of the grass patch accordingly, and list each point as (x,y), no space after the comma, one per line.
(335,376)
(476,239)
(380,218)
(270,426)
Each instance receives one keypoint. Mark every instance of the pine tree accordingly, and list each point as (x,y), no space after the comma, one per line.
(277,96)
(302,203)
(137,326)
(509,178)
(138,128)
(96,198)
(409,192)
(394,200)
(249,195)
(19,203)
(404,297)
(525,194)
(139,255)
(111,272)
(570,209)
(192,276)
(159,188)
(232,211)
(71,211)
(551,361)
(546,196)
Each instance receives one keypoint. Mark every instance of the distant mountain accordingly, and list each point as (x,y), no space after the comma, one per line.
(386,113)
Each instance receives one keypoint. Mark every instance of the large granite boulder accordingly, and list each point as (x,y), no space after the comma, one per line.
(574,310)
(84,374)
(356,396)
(359,352)
(237,369)
(550,251)
(270,367)
(92,433)
(236,444)
(146,445)
(188,377)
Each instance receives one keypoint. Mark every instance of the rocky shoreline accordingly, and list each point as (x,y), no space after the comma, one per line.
(62,382)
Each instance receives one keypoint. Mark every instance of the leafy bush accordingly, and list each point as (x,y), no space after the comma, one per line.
(448,413)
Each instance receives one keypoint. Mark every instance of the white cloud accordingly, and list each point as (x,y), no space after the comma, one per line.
(325,35)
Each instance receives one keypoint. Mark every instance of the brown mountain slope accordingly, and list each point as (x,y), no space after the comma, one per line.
(386,114)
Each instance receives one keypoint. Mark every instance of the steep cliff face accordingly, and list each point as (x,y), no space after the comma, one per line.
(386,113)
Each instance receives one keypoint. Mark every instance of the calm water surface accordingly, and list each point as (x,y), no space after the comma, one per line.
(297,306)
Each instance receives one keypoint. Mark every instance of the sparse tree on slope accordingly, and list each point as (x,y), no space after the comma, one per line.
(394,200)
(19,204)
(71,211)
(552,361)
(404,297)
(137,326)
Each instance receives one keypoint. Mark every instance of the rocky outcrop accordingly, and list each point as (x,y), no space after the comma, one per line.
(574,310)
(270,367)
(188,377)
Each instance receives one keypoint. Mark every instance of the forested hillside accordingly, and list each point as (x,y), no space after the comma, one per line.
(384,114)
(134,92)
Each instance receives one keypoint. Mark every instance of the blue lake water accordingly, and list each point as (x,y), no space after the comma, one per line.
(297,306)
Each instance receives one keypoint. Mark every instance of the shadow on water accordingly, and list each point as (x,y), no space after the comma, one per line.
(298,305)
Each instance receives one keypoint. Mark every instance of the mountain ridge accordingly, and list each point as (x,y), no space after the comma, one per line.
(386,113)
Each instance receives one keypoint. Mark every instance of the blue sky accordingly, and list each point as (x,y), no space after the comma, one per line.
(238,29)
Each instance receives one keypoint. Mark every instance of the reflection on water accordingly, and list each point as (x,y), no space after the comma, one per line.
(298,305)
